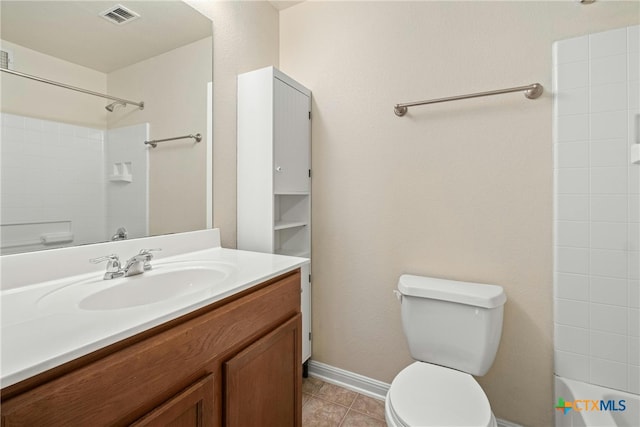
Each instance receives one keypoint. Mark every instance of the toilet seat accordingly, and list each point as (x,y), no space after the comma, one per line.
(424,395)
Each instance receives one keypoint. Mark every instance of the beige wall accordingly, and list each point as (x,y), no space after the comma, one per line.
(460,190)
(175,97)
(245,38)
(35,99)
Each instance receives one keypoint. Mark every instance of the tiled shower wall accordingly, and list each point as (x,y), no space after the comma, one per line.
(52,178)
(597,209)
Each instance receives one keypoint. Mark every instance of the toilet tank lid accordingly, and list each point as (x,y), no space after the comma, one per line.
(475,294)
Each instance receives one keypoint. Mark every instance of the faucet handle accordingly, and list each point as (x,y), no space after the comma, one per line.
(112,259)
(148,257)
(148,251)
(113,265)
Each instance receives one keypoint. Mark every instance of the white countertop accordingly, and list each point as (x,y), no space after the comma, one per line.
(38,335)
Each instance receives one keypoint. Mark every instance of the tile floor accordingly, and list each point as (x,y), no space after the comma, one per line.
(327,405)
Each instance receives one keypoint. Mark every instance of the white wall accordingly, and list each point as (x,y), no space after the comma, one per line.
(245,38)
(597,215)
(174,88)
(39,100)
(461,190)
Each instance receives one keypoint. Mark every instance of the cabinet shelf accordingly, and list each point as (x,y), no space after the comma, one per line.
(283,225)
(299,253)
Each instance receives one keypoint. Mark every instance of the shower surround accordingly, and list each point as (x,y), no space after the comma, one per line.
(58,183)
(597,209)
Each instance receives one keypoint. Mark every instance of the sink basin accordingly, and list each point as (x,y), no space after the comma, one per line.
(160,284)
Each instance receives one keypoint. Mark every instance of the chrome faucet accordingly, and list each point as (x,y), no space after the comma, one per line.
(114,269)
(137,264)
(121,234)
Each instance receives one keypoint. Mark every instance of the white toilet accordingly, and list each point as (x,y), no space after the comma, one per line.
(453,329)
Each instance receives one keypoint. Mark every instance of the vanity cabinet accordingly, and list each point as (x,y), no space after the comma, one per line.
(274,173)
(233,363)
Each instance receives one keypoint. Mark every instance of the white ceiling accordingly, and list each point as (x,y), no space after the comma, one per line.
(73,31)
(283,4)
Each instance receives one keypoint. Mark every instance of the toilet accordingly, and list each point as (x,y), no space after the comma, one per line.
(453,330)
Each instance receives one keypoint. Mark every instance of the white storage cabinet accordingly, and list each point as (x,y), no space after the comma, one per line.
(274,173)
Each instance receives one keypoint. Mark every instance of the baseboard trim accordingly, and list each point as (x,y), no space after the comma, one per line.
(349,380)
(363,385)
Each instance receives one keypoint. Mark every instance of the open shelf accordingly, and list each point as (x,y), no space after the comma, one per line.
(282,225)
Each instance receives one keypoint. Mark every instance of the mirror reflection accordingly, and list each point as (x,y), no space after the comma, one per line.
(75,167)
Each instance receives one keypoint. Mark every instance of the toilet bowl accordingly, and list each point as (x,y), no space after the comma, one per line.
(453,330)
(428,395)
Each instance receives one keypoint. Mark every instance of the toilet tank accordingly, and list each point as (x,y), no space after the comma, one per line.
(450,323)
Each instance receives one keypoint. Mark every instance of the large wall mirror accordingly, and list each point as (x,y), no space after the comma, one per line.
(75,167)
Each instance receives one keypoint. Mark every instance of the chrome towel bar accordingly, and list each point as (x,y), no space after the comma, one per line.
(154,142)
(531,91)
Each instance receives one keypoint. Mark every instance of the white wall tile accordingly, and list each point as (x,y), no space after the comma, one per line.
(572,313)
(574,49)
(33,124)
(609,235)
(633,38)
(634,208)
(12,121)
(576,154)
(612,69)
(573,101)
(574,340)
(572,75)
(634,379)
(573,128)
(609,125)
(608,263)
(611,280)
(573,234)
(571,207)
(607,290)
(573,366)
(609,346)
(609,180)
(634,351)
(634,179)
(572,286)
(634,96)
(612,152)
(573,181)
(608,374)
(633,70)
(608,318)
(634,265)
(634,236)
(609,208)
(634,322)
(634,293)
(573,260)
(609,97)
(606,43)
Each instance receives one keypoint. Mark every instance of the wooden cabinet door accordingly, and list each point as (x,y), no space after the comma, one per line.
(264,381)
(193,407)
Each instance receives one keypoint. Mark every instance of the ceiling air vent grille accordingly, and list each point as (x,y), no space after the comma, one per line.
(119,15)
(6,60)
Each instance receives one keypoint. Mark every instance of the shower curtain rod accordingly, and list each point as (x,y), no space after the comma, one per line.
(77,89)
(531,91)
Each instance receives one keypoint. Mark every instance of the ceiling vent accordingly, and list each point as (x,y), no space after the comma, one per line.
(6,59)
(119,15)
